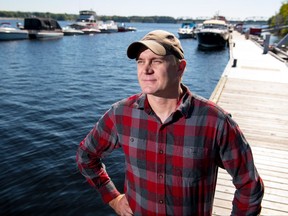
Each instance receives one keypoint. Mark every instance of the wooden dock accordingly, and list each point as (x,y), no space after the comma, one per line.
(254,89)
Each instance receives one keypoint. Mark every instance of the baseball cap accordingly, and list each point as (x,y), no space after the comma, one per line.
(159,42)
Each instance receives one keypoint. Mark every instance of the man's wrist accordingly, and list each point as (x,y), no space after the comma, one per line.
(114,201)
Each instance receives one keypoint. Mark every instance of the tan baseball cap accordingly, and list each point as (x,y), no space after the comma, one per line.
(159,42)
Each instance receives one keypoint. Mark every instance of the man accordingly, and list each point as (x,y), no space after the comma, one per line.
(173,141)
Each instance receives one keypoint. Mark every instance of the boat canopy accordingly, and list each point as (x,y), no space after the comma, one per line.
(5,24)
(41,24)
(87,12)
(215,22)
(188,25)
(87,16)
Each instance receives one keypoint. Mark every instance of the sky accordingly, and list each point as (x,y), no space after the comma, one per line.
(236,9)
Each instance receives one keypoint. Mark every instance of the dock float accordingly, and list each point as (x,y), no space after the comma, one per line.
(254,89)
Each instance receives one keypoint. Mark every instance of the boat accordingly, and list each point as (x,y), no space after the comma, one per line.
(69,31)
(214,33)
(187,30)
(108,26)
(124,28)
(252,29)
(255,30)
(43,28)
(86,22)
(7,32)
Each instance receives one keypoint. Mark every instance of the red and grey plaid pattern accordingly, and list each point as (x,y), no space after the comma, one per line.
(171,167)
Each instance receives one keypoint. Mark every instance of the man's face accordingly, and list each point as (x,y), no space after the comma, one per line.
(158,75)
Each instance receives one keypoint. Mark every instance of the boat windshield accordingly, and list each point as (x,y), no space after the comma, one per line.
(5,25)
(214,26)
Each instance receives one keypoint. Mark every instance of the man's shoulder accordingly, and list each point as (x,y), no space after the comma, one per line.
(203,104)
(131,101)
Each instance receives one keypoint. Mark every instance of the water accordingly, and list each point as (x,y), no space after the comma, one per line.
(52,93)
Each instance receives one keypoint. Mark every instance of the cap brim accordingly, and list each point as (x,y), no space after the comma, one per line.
(155,47)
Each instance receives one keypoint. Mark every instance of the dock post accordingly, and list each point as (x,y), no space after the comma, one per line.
(266,43)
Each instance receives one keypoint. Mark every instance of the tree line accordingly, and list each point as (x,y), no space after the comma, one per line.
(68,17)
(281,18)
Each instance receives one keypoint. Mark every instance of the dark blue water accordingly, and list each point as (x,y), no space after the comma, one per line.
(52,93)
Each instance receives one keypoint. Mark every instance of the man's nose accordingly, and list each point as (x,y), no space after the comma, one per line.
(148,68)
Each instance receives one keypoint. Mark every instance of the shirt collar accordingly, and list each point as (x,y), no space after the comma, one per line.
(184,105)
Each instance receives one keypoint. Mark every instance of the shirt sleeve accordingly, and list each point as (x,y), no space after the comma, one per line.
(237,159)
(101,141)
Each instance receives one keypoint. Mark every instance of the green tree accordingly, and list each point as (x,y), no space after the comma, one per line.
(281,18)
(284,14)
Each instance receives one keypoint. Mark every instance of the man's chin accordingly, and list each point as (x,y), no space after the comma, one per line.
(148,90)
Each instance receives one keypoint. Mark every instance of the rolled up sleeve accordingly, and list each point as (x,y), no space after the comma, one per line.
(101,141)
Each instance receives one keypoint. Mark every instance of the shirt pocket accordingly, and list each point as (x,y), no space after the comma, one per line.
(191,164)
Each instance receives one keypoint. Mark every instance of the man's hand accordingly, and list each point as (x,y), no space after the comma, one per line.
(121,205)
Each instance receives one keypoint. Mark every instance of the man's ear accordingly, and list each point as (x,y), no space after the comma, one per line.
(182,65)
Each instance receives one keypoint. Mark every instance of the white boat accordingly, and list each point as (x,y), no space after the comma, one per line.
(43,28)
(86,22)
(108,27)
(187,30)
(214,33)
(69,31)
(7,32)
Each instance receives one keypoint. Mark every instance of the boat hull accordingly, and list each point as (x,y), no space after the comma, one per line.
(72,33)
(45,35)
(90,31)
(212,40)
(185,35)
(13,35)
(126,29)
(108,30)
(68,31)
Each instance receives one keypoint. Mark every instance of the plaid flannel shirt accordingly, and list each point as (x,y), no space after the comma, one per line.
(171,167)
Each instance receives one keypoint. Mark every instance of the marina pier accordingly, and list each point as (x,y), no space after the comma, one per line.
(254,89)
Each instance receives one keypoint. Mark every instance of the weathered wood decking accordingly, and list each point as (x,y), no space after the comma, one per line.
(255,92)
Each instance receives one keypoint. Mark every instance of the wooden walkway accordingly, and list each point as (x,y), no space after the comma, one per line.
(255,92)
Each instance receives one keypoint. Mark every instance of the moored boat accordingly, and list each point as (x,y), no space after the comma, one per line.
(7,32)
(124,28)
(86,22)
(108,27)
(252,30)
(187,30)
(43,28)
(213,34)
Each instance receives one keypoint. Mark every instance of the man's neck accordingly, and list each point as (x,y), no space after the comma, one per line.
(164,107)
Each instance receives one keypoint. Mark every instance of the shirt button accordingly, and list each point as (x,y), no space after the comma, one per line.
(161,201)
(160,176)
(161,151)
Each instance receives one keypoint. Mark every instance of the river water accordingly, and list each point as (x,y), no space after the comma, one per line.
(52,93)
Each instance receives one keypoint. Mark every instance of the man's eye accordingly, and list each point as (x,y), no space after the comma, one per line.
(157,61)
(140,61)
